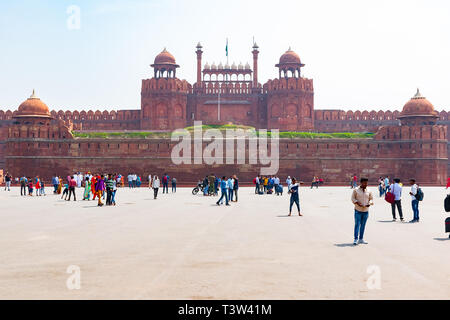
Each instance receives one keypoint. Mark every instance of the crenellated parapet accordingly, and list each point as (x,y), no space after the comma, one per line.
(289,84)
(165,85)
(416,133)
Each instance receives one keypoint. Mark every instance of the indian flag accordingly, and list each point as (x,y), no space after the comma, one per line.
(226,48)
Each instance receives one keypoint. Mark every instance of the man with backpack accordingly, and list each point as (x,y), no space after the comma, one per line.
(416,196)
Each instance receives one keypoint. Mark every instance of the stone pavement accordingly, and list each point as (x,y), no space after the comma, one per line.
(185,247)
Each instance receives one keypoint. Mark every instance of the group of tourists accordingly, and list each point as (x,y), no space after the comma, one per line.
(31,184)
(316,182)
(134,181)
(155,183)
(362,198)
(383,185)
(268,185)
(101,186)
(228,186)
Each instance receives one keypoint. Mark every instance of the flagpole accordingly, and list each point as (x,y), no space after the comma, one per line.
(218,106)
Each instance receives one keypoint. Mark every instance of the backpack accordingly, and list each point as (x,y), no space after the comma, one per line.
(419,195)
(390,197)
(447,203)
(254,181)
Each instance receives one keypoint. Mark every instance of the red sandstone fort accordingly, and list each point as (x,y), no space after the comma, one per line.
(410,143)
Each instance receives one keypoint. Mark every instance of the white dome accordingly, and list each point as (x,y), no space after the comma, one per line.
(213,66)
(220,67)
(247,66)
(233,66)
(207,67)
(240,67)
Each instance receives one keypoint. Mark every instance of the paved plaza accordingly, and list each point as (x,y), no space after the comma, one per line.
(185,247)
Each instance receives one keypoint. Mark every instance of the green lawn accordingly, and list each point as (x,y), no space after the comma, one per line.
(162,135)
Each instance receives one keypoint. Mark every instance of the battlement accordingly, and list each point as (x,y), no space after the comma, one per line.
(303,84)
(163,85)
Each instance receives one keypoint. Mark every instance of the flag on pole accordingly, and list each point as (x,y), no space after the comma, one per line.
(226,48)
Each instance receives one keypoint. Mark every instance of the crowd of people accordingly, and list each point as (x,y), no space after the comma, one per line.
(228,187)
(105,186)
(362,198)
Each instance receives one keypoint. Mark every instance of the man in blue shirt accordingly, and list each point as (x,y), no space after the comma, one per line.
(55,183)
(223,188)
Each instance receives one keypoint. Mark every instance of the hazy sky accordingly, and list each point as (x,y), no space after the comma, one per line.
(361,54)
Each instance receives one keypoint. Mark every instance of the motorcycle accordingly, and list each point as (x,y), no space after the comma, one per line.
(198,188)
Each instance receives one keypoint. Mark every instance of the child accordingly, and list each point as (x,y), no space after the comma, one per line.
(38,187)
(30,187)
(66,191)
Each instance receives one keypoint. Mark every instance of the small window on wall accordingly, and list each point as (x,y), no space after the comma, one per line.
(192,116)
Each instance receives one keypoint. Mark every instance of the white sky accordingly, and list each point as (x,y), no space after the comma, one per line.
(361,54)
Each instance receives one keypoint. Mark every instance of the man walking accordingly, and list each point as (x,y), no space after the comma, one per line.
(396,189)
(223,189)
(362,198)
(415,202)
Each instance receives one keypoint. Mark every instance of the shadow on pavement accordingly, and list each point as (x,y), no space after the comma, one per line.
(442,239)
(343,245)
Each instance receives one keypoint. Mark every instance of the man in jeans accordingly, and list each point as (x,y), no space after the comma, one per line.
(72,186)
(55,182)
(109,184)
(396,189)
(23,186)
(165,182)
(224,190)
(362,198)
(415,202)
(8,181)
(174,185)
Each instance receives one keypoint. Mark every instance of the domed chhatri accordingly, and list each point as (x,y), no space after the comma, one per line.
(418,111)
(33,107)
(290,64)
(165,65)
(165,57)
(290,57)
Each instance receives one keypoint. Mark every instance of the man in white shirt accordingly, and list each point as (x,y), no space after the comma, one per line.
(134,180)
(130,181)
(415,202)
(396,189)
(288,181)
